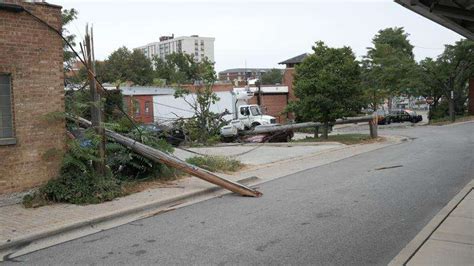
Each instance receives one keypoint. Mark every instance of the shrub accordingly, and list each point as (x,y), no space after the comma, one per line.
(78,182)
(128,165)
(216,163)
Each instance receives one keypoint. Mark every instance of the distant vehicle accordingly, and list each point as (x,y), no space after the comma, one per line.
(173,136)
(405,115)
(383,117)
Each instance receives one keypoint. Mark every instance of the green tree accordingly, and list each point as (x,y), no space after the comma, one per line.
(125,65)
(273,76)
(67,16)
(388,65)
(327,84)
(141,70)
(450,74)
(178,68)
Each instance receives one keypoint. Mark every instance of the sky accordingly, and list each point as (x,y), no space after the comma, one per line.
(257,33)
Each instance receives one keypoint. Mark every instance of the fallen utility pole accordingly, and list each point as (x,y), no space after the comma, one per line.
(163,157)
(278,128)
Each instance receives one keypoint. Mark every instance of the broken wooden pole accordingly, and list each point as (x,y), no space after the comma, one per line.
(96,111)
(168,159)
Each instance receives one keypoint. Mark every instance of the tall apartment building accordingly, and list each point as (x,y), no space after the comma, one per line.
(199,47)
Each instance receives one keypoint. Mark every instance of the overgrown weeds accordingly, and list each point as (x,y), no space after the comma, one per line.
(342,138)
(216,163)
(78,181)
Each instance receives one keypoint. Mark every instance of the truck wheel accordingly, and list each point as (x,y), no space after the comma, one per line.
(254,125)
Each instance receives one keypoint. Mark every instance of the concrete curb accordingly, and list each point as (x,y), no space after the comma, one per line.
(9,250)
(273,144)
(412,248)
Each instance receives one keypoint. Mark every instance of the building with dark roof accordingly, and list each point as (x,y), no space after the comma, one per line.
(288,74)
(289,63)
(242,74)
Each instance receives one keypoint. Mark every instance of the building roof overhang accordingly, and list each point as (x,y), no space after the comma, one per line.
(457,15)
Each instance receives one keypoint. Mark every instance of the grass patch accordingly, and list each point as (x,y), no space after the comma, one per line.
(446,120)
(342,138)
(216,163)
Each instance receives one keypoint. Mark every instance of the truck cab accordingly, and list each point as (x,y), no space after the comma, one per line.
(251,116)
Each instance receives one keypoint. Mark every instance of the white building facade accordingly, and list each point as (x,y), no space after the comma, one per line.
(198,47)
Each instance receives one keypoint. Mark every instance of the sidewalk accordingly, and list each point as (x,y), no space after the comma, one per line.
(449,237)
(26,230)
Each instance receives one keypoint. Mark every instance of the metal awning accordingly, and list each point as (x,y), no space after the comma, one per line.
(457,15)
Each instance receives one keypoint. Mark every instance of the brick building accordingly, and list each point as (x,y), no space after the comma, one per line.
(138,101)
(31,86)
(242,74)
(273,101)
(288,75)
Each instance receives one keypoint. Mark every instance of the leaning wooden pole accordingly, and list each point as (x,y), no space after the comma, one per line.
(168,159)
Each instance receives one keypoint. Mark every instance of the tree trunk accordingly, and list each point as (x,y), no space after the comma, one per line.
(316,132)
(326,130)
(373,129)
(452,114)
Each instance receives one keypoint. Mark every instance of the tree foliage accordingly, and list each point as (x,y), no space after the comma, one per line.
(449,72)
(327,84)
(181,68)
(125,65)
(388,66)
(67,16)
(271,77)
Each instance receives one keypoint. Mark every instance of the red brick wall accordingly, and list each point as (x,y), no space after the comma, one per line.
(138,102)
(32,54)
(273,104)
(471,96)
(288,78)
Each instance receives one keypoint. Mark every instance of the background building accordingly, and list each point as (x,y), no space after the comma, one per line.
(241,74)
(199,47)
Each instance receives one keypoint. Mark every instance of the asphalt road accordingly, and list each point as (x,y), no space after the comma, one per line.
(353,211)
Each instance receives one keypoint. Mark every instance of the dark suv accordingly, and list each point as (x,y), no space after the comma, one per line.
(405,115)
(383,117)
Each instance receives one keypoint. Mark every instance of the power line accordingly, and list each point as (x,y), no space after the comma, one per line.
(82,61)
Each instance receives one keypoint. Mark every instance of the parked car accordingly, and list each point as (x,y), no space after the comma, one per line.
(404,115)
(383,117)
(173,136)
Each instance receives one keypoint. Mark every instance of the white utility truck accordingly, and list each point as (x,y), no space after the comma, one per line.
(246,116)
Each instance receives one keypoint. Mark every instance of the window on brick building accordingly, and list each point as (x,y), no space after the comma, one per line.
(6,116)
(147,108)
(137,109)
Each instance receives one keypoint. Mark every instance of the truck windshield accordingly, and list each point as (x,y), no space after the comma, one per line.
(255,110)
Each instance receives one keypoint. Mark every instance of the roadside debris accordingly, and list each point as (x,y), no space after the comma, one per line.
(170,160)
